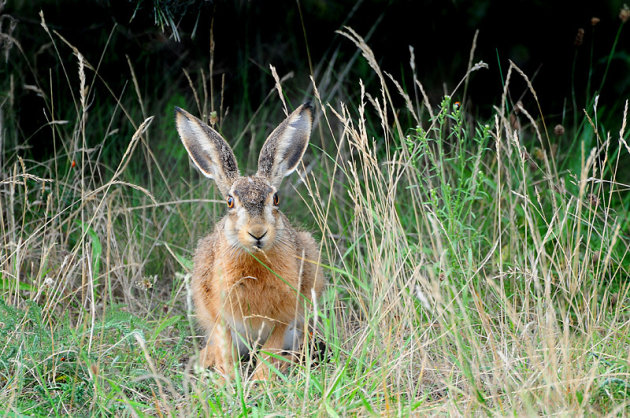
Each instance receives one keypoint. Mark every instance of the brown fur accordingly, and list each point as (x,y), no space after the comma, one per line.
(240,288)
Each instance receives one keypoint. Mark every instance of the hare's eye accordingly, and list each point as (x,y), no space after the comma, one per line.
(230,202)
(276,199)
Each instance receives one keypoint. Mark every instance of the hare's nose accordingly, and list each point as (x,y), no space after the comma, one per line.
(257,236)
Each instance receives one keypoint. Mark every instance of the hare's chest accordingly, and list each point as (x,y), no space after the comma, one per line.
(255,293)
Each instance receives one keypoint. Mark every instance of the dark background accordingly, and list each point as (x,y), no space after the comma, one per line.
(539,36)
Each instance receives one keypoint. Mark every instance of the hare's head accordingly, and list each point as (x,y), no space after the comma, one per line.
(254,221)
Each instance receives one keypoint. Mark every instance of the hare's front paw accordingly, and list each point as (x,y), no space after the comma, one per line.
(210,357)
(206,357)
(261,373)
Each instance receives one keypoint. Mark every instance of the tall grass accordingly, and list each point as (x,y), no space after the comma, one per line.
(467,273)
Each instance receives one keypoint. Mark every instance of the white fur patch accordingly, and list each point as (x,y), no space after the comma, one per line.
(192,133)
(244,336)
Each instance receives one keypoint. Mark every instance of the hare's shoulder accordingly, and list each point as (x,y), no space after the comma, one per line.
(306,242)
(309,255)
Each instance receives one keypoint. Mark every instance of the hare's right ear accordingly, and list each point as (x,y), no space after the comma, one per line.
(208,150)
(286,145)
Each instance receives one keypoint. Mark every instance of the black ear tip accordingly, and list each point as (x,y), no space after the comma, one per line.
(180,112)
(308,105)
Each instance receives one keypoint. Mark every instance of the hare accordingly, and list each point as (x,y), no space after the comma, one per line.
(255,274)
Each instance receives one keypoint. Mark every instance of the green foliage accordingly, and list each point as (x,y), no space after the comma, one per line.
(58,367)
(168,13)
(472,268)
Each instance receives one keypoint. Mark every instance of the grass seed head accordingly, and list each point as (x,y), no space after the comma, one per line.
(579,38)
(558,130)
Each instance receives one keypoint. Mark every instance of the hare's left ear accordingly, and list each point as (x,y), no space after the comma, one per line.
(286,145)
(207,149)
